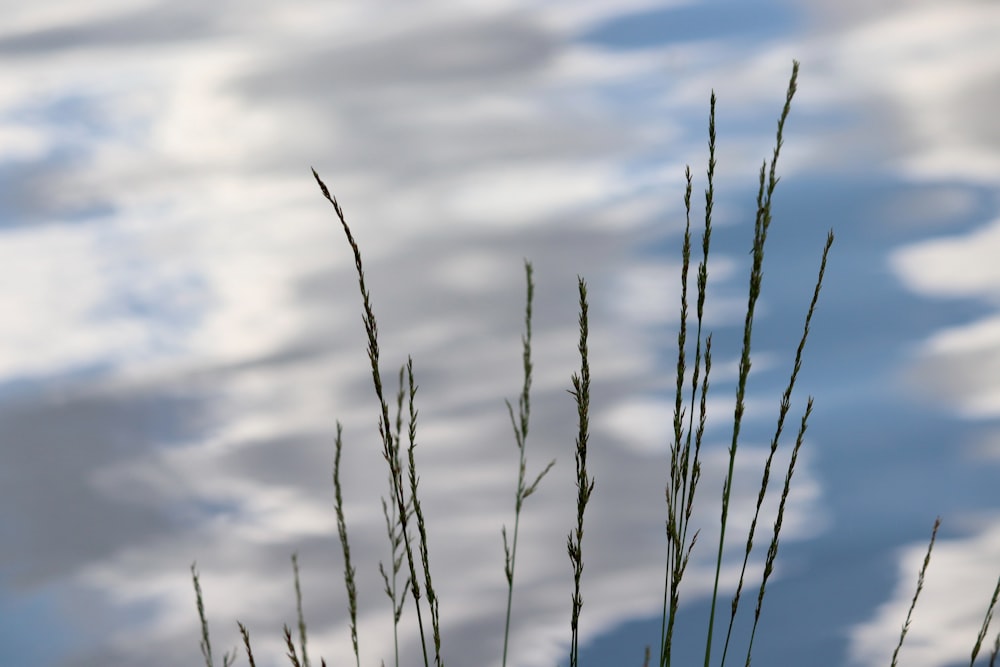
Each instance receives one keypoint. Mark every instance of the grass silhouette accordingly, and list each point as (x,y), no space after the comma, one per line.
(403,512)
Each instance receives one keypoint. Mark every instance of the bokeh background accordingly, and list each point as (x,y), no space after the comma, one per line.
(180,325)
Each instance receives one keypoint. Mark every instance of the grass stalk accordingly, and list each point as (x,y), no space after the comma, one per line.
(584,484)
(432,600)
(397,595)
(352,591)
(786,402)
(298,609)
(985,628)
(772,551)
(520,426)
(763,221)
(206,642)
(292,654)
(685,470)
(916,594)
(389,445)
(246,643)
(674,526)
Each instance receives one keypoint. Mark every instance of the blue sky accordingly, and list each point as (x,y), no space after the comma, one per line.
(182,324)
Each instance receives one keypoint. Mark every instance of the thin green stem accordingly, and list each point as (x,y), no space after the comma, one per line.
(772,552)
(674,529)
(916,595)
(298,608)
(584,484)
(352,592)
(246,643)
(785,406)
(762,223)
(685,470)
(986,626)
(392,527)
(206,643)
(520,425)
(389,445)
(292,654)
(432,600)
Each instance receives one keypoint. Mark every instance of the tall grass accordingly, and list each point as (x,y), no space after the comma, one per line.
(520,426)
(404,515)
(584,483)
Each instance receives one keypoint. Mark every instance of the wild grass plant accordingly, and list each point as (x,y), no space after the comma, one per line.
(406,523)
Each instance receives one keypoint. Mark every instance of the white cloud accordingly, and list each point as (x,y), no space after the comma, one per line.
(959,266)
(958,364)
(930,69)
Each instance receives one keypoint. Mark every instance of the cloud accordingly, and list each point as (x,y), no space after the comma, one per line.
(925,69)
(956,364)
(180,356)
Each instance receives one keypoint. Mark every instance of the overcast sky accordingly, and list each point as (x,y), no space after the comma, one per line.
(181,323)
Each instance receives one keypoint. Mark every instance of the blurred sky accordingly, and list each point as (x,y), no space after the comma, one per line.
(181,324)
